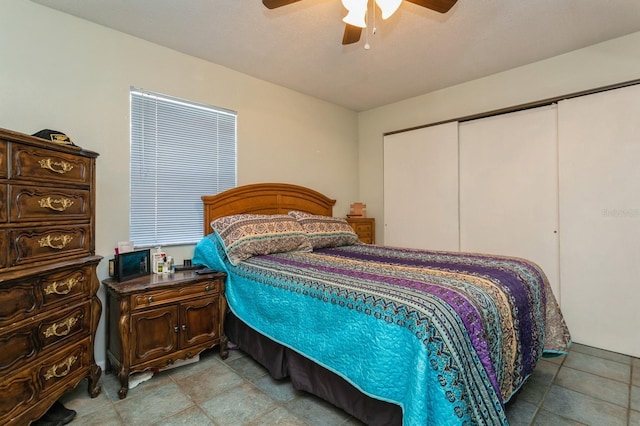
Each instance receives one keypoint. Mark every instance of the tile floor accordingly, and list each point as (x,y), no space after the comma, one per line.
(586,387)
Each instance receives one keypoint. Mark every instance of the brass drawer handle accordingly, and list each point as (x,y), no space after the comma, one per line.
(60,205)
(65,366)
(61,287)
(61,167)
(150,299)
(59,242)
(62,328)
(207,288)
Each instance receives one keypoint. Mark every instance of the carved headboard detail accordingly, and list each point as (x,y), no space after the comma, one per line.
(265,198)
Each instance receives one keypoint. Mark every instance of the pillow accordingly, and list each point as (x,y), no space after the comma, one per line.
(247,235)
(326,231)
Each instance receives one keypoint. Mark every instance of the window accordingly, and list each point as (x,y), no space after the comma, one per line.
(180,151)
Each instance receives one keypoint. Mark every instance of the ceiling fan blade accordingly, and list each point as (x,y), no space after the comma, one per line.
(441,6)
(272,4)
(351,34)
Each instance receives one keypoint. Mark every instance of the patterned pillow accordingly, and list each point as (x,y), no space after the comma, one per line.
(326,231)
(247,235)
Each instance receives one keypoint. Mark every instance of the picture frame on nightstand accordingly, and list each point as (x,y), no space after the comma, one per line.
(132,264)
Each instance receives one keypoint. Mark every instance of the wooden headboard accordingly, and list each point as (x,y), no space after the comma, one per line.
(265,198)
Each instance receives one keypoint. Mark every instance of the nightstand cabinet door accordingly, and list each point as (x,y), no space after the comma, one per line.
(199,321)
(154,333)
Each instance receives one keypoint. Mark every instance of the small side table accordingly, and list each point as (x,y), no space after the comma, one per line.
(365,227)
(155,320)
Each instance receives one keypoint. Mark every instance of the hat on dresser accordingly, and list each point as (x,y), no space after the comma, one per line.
(54,136)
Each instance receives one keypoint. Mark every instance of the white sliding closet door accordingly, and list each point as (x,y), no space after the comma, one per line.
(509,187)
(600,218)
(421,188)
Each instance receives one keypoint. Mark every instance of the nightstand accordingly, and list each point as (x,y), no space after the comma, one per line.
(365,227)
(155,320)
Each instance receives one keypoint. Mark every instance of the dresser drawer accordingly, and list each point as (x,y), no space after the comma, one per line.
(63,366)
(38,164)
(31,203)
(4,248)
(17,393)
(160,297)
(23,343)
(65,286)
(19,389)
(28,297)
(48,243)
(3,203)
(4,172)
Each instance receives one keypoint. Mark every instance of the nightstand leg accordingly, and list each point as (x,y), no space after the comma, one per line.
(123,376)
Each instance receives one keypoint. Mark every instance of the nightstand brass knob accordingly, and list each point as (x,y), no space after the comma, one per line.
(207,288)
(176,329)
(150,299)
(184,327)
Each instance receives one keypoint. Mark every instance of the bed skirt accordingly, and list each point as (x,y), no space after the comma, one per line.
(305,375)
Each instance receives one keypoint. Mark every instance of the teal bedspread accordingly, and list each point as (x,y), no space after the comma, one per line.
(449,337)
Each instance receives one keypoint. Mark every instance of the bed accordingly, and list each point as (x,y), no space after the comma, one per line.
(390,335)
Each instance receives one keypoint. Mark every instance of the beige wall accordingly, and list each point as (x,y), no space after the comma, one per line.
(64,73)
(603,64)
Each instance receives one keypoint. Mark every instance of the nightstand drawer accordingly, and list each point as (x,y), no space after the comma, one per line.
(160,297)
(363,231)
(365,227)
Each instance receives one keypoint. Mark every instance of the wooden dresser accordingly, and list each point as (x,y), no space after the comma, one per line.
(49,310)
(156,320)
(365,227)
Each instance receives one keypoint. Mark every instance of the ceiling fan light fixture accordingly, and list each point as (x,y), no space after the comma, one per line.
(357,12)
(354,4)
(388,7)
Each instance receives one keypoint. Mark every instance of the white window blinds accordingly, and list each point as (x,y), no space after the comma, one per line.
(180,151)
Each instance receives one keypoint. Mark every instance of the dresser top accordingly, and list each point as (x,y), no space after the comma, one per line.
(10,135)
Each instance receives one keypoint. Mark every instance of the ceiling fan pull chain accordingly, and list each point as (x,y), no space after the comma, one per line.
(367,46)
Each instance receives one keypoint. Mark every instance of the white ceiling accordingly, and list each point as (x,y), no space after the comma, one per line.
(414,52)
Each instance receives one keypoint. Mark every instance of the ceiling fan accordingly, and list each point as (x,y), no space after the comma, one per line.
(357,10)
